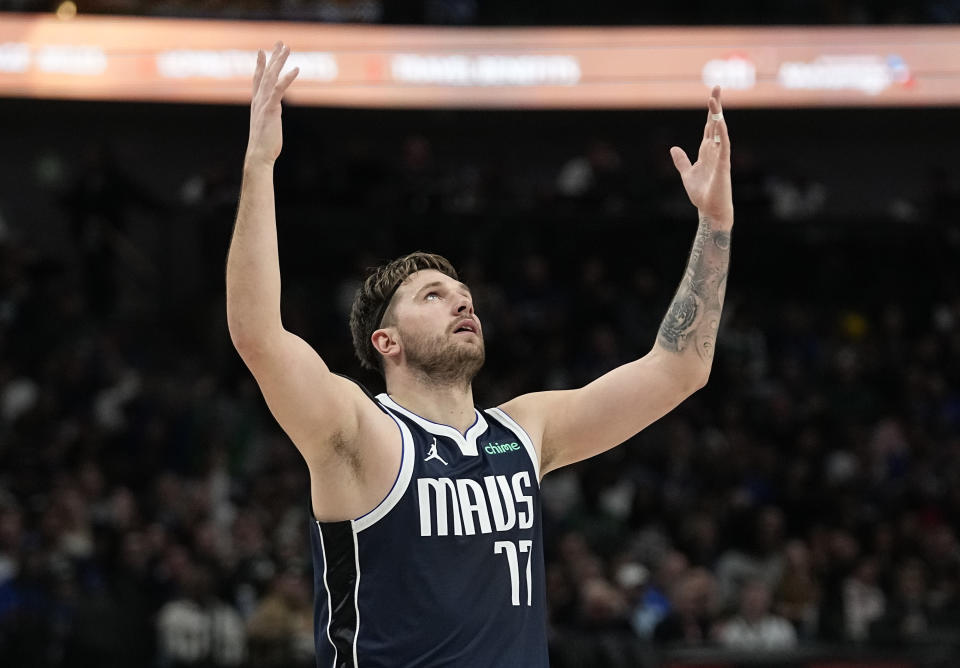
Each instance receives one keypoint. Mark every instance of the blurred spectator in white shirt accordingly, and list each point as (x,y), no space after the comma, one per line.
(863,600)
(197,629)
(755,627)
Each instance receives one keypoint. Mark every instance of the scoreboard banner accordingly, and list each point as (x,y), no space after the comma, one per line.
(212,61)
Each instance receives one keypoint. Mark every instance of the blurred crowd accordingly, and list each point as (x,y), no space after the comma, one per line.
(504,12)
(152,513)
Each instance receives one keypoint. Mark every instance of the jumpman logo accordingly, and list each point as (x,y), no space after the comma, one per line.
(432,453)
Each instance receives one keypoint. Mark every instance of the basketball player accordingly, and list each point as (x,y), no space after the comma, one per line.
(426,540)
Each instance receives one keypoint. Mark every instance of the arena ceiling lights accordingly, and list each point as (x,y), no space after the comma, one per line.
(207,61)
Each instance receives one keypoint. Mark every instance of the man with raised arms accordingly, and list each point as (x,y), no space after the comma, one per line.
(426,534)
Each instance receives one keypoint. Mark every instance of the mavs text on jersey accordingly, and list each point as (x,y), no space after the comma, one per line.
(448,569)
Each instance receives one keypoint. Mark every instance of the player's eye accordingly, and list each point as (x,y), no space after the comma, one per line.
(428,296)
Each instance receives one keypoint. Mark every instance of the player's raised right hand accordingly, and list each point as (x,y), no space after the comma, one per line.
(266,135)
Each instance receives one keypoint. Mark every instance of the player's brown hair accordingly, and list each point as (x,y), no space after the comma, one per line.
(372,301)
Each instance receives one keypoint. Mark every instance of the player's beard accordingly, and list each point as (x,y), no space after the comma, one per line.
(444,360)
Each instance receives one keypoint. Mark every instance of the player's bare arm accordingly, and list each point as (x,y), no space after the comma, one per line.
(571,425)
(325,416)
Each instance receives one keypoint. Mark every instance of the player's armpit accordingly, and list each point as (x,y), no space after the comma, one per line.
(351,447)
(320,411)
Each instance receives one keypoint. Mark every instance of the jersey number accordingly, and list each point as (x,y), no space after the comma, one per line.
(513,562)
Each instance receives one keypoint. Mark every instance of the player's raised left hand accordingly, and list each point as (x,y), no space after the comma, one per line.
(707,181)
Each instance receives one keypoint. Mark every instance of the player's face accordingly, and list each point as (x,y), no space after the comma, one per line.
(440,333)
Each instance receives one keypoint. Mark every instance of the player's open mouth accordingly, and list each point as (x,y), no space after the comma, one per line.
(465,326)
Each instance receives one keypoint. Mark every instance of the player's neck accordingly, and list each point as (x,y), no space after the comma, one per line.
(441,403)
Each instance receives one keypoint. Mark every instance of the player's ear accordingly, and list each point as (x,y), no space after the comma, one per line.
(386,341)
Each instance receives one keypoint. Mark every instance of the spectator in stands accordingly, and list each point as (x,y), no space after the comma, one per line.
(908,616)
(280,631)
(602,605)
(196,628)
(762,557)
(693,603)
(11,534)
(755,627)
(112,624)
(863,600)
(798,594)
(594,180)
(655,604)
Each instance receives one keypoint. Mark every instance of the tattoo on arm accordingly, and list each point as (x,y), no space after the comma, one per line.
(694,315)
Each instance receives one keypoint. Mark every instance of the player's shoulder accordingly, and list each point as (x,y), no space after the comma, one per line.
(530,410)
(357,388)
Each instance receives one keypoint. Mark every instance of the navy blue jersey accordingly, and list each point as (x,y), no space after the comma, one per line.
(448,569)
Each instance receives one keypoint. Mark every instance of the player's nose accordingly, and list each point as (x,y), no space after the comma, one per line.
(464,305)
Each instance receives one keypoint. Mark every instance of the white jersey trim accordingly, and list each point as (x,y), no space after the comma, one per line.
(326,586)
(467,444)
(399,485)
(509,423)
(356,592)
